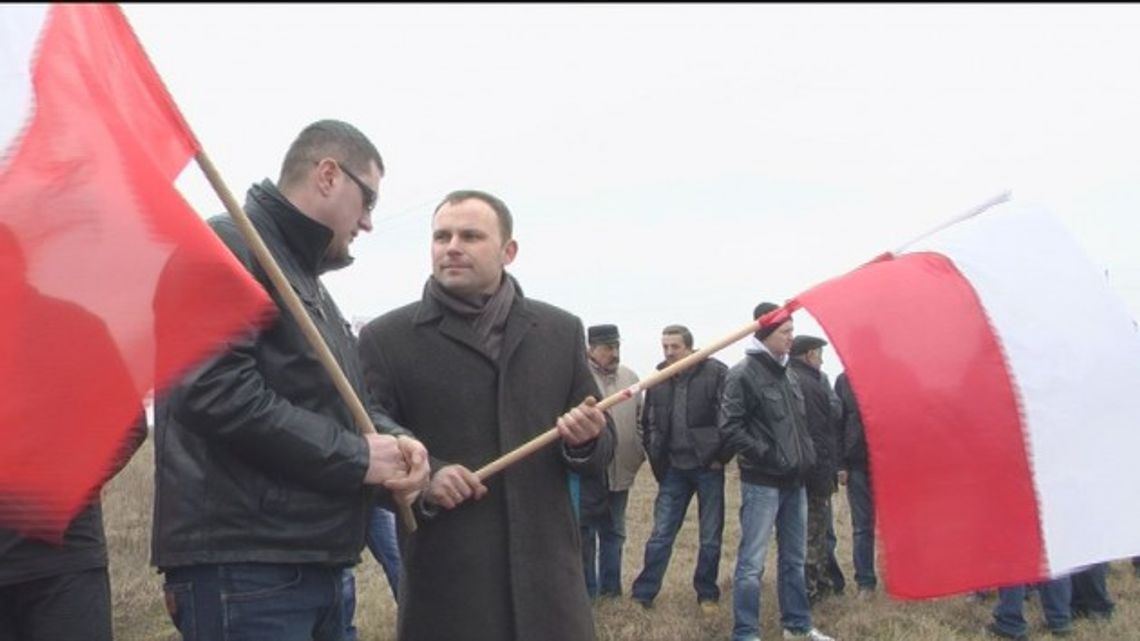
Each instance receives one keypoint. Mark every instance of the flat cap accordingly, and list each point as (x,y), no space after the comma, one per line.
(803,344)
(598,334)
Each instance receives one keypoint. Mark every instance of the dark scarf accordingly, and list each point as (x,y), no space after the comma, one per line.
(487,315)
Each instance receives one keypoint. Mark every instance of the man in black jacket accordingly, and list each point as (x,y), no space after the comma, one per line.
(263,483)
(763,423)
(856,475)
(806,361)
(56,589)
(679,432)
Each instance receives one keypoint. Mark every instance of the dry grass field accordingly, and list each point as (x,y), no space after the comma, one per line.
(139,613)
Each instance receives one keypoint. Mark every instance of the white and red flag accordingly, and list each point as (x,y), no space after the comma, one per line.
(998,377)
(111,284)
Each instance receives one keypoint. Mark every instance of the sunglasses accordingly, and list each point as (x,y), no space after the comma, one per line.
(368,192)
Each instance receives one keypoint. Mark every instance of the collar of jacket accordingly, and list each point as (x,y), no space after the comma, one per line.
(802,367)
(431,309)
(769,362)
(307,238)
(756,346)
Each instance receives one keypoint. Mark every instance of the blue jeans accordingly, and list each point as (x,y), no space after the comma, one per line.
(348,587)
(575,484)
(1055,595)
(862,527)
(602,543)
(256,602)
(761,507)
(381,540)
(673,498)
(385,548)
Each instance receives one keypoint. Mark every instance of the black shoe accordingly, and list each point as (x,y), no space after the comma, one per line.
(645,605)
(1063,631)
(991,630)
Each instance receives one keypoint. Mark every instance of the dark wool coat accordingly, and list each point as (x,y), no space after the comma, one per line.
(508,566)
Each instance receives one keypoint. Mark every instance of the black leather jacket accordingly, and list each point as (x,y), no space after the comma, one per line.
(257,458)
(822,427)
(762,421)
(854,450)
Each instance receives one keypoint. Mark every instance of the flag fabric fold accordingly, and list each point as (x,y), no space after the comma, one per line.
(112,284)
(996,373)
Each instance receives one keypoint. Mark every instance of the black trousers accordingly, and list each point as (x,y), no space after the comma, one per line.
(65,607)
(1090,592)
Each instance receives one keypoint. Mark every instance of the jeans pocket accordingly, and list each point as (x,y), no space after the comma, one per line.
(179,599)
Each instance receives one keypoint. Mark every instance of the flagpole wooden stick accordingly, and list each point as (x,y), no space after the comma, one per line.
(551,435)
(297,308)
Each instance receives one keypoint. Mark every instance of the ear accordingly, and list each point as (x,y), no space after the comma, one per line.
(509,251)
(325,175)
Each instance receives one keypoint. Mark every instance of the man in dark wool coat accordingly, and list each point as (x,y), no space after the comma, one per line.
(476,369)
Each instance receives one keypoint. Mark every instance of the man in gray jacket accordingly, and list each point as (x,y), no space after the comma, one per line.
(604,498)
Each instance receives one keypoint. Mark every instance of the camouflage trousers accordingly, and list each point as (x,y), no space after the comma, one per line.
(816,566)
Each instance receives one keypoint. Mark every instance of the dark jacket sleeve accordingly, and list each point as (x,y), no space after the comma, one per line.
(853,446)
(228,399)
(737,404)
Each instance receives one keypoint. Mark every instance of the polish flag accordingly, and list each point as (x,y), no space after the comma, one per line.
(998,378)
(111,284)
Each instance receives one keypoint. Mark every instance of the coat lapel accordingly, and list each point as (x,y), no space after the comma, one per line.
(462,332)
(519,322)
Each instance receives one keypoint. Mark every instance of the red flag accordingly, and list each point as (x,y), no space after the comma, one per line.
(112,285)
(996,374)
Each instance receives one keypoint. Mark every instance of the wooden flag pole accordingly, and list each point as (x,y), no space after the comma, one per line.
(297,308)
(551,435)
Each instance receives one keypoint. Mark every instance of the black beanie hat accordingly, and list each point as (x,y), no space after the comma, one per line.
(760,310)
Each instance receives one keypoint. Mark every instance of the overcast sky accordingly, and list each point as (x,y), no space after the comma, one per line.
(677,164)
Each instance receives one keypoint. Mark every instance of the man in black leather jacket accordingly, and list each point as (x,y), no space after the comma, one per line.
(263,483)
(763,423)
(805,365)
(680,436)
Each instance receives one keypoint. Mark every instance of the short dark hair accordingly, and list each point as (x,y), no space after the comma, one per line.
(506,222)
(682,331)
(328,139)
